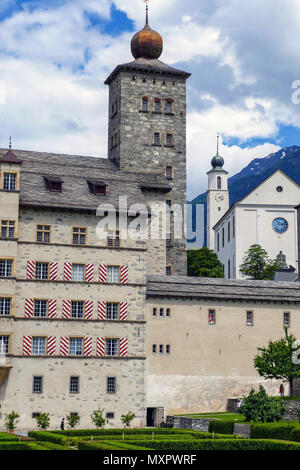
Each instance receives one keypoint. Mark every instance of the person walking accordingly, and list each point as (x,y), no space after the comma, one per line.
(62,424)
(281,390)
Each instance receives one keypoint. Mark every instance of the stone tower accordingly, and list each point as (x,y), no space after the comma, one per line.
(147,124)
(217,196)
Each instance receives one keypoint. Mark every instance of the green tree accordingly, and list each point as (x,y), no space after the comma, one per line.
(279,360)
(43,420)
(258,407)
(98,418)
(72,420)
(204,263)
(126,419)
(11,420)
(257,265)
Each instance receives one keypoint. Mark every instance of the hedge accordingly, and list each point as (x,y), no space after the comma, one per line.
(222,427)
(5,436)
(221,444)
(118,432)
(109,445)
(49,437)
(273,430)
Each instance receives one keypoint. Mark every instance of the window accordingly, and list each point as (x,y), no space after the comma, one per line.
(156,138)
(76,346)
(211,317)
(113,239)
(249,318)
(110,415)
(145,103)
(41,270)
(223,237)
(168,270)
(154,348)
(154,312)
(169,172)
(9,181)
(168,349)
(113,273)
(161,348)
(168,312)
(112,311)
(74,385)
(35,414)
(219,182)
(111,385)
(79,236)
(40,308)
(229,270)
(43,234)
(77,309)
(157,105)
(169,107)
(168,240)
(6,266)
(161,312)
(286,319)
(233,227)
(7,229)
(37,384)
(169,203)
(99,190)
(169,140)
(4,344)
(55,186)
(112,347)
(78,272)
(228,230)
(5,306)
(218,241)
(38,346)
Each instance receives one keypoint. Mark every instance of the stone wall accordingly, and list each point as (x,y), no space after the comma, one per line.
(183,422)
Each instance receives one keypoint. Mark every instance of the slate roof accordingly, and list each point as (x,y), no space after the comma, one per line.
(153,66)
(75,171)
(223,289)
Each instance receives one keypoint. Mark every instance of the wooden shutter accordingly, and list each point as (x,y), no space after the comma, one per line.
(87,346)
(100,347)
(124,274)
(51,345)
(27,345)
(52,308)
(64,346)
(101,310)
(53,271)
(29,308)
(68,272)
(89,272)
(123,347)
(30,270)
(123,310)
(66,309)
(89,309)
(102,273)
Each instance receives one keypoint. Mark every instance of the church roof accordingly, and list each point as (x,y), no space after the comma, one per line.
(74,172)
(142,65)
(223,289)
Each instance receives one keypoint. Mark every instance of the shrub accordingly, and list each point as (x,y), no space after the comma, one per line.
(49,437)
(43,420)
(126,419)
(272,430)
(222,427)
(258,407)
(11,420)
(98,418)
(72,420)
(4,436)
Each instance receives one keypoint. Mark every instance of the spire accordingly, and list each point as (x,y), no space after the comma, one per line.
(10,157)
(218,137)
(217,161)
(9,145)
(147,12)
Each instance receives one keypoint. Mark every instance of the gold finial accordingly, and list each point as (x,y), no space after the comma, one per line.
(147,9)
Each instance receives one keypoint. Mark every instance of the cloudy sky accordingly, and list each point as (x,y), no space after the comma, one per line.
(243,56)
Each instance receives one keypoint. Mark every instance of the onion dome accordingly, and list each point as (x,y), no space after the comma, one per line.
(147,43)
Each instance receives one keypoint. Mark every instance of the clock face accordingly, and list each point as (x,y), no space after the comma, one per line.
(219,197)
(280,225)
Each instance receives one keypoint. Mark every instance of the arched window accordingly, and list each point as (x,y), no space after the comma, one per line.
(219,182)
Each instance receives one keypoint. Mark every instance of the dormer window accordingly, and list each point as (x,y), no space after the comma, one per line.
(54,183)
(97,187)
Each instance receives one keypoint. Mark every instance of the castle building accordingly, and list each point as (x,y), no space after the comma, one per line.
(88,322)
(266,216)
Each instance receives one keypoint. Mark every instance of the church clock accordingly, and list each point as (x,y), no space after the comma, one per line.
(280,225)
(219,197)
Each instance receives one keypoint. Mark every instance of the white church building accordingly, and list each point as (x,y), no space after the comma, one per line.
(266,216)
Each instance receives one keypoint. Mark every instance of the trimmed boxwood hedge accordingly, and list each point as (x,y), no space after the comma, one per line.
(222,427)
(274,431)
(118,432)
(49,437)
(31,446)
(109,445)
(5,436)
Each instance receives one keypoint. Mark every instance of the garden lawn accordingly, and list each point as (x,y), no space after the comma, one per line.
(222,416)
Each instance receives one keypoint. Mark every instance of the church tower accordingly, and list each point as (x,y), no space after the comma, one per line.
(217,195)
(147,123)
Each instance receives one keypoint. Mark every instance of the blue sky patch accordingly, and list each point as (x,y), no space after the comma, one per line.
(115,26)
(285,137)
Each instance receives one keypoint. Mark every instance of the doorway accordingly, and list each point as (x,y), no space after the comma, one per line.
(150,417)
